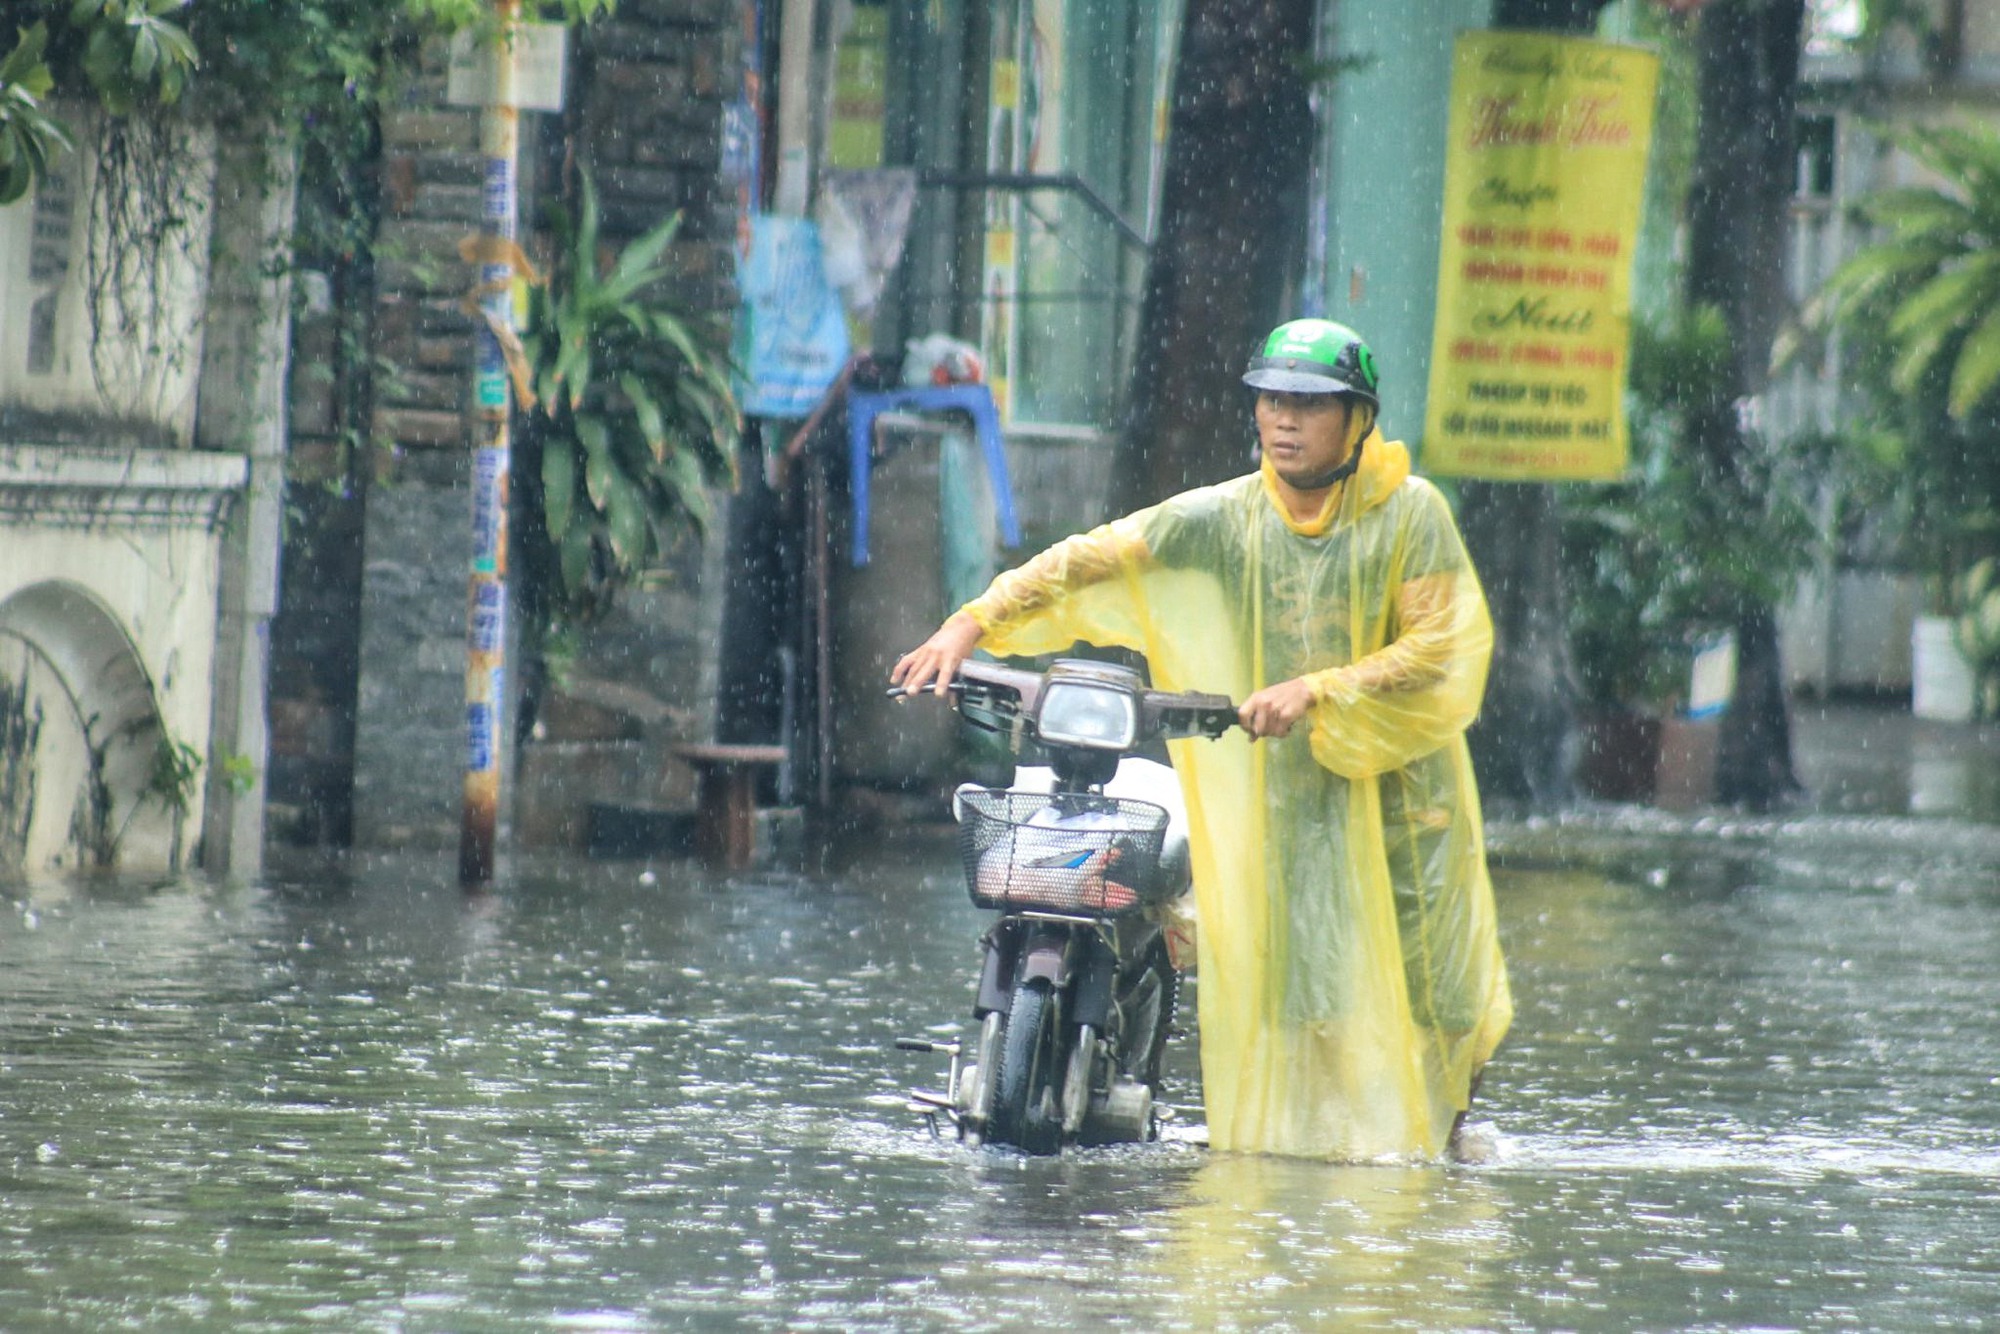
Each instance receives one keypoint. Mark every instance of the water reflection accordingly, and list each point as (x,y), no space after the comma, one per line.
(1752,1082)
(1259,1243)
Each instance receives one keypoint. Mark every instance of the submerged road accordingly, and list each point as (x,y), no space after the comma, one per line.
(1754,1083)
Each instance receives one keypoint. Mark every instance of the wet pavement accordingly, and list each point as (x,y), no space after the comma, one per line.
(1875,758)
(1754,1083)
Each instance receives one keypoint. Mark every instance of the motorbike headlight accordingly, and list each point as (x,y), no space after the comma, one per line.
(1075,713)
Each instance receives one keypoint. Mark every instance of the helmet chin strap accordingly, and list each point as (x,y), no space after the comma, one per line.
(1334,478)
(1359,428)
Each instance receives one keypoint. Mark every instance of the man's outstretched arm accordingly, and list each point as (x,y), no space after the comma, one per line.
(1024,603)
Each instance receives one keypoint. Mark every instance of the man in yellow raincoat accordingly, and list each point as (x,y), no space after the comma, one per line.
(1351,980)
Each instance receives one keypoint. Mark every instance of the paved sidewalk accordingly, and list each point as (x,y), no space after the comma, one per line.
(1874,758)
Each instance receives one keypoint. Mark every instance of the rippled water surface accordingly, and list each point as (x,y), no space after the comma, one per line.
(1752,1085)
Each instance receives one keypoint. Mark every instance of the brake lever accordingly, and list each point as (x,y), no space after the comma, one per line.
(899,692)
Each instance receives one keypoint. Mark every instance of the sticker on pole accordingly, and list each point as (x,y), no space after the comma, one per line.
(474,77)
(489,508)
(481,724)
(489,617)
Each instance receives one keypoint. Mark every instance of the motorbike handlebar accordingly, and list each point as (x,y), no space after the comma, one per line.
(1189,713)
(1007,693)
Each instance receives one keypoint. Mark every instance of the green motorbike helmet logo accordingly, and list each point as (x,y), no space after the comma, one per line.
(1365,363)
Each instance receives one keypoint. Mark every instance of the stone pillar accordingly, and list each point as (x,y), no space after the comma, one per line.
(409,723)
(650,130)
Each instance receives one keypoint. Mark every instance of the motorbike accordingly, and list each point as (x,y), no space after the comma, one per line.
(1081,859)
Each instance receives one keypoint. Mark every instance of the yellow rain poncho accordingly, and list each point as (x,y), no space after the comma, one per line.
(1351,978)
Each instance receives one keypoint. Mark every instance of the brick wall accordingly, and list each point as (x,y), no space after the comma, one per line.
(658,77)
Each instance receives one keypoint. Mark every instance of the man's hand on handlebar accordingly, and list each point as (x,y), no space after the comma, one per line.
(1274,710)
(935,662)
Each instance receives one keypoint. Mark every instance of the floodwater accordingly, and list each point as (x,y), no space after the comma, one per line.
(1754,1084)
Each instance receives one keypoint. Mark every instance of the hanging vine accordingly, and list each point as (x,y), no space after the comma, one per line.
(148,196)
(156,69)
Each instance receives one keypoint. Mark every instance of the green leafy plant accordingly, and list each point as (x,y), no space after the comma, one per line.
(1681,548)
(29,136)
(633,420)
(1918,310)
(133,50)
(291,62)
(239,772)
(175,774)
(127,51)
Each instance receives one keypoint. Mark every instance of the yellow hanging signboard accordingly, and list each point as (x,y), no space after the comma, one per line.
(1544,176)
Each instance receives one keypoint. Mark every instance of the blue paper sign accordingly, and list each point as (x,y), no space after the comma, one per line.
(791,334)
(489,507)
(489,618)
(480,726)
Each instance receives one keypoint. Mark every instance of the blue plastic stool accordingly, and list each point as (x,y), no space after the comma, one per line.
(976,399)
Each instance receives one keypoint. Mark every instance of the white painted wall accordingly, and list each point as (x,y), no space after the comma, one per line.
(45,256)
(108,602)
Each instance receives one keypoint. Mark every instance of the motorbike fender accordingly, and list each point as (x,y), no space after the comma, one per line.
(995,977)
(1047,959)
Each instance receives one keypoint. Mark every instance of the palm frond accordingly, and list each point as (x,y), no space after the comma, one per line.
(1977,368)
(1952,298)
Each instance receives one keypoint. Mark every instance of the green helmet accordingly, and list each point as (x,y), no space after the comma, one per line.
(1315,357)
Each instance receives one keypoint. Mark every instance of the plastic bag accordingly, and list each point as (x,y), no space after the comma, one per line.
(939,360)
(1062,860)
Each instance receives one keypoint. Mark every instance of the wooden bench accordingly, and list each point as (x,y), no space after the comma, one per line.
(726,799)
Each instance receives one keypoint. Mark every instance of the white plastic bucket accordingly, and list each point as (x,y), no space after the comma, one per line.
(1942,683)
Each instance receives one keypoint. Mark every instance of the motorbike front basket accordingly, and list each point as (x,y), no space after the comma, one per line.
(1073,853)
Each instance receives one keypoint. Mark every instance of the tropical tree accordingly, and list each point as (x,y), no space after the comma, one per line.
(1747,54)
(1919,311)
(1738,220)
(1524,739)
(1932,282)
(29,135)
(1233,211)
(127,52)
(279,61)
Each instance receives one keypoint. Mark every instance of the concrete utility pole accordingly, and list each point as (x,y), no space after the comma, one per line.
(492,398)
(246,357)
(795,102)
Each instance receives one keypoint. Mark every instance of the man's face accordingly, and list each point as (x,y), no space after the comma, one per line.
(1303,435)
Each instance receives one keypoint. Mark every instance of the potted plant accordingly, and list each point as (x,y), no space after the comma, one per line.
(1976,633)
(1621,644)
(1664,562)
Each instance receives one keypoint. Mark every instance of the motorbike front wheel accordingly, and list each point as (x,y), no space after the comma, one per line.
(1027,1105)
